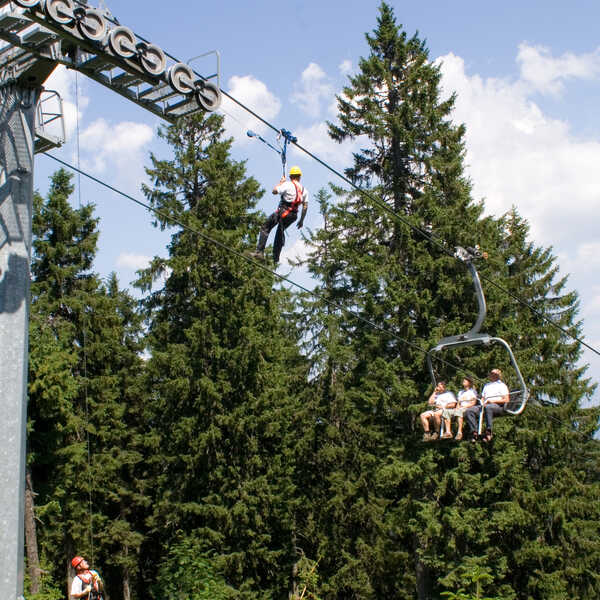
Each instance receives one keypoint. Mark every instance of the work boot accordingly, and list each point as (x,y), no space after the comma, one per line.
(434,436)
(427,436)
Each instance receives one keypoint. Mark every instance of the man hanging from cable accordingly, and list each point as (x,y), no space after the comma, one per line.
(292,193)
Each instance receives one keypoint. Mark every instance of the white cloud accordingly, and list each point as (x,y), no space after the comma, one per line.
(254,94)
(518,155)
(314,87)
(588,254)
(345,67)
(547,73)
(119,145)
(134,262)
(316,138)
(297,251)
(593,307)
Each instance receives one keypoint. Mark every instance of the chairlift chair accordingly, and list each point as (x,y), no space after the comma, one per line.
(517,397)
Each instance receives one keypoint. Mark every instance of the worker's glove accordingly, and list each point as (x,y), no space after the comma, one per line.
(300,224)
(88,589)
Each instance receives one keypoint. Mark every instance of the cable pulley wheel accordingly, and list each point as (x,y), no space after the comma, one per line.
(122,42)
(181,78)
(208,96)
(92,25)
(27,3)
(60,11)
(152,59)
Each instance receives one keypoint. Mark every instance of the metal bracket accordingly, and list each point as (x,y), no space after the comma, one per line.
(49,122)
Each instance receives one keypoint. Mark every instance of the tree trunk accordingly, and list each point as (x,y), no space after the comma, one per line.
(294,587)
(33,558)
(422,574)
(126,589)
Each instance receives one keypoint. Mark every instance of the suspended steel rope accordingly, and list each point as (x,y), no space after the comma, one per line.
(84,345)
(263,267)
(256,263)
(425,234)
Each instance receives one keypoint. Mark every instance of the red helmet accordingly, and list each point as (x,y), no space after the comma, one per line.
(76,561)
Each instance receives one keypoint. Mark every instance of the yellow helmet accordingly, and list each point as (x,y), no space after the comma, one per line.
(295,171)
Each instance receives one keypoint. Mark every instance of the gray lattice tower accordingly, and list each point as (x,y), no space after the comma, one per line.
(17,121)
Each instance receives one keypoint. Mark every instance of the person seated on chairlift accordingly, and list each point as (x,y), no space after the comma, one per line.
(494,398)
(467,397)
(439,400)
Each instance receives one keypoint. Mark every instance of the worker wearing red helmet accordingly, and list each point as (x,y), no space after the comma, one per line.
(292,193)
(86,583)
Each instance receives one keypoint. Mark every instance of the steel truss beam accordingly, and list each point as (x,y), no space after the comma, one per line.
(71,33)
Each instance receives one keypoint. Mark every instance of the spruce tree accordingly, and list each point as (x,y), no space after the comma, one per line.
(223,372)
(392,276)
(84,403)
(420,519)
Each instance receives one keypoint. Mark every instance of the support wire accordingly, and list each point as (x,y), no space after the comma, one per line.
(425,234)
(257,264)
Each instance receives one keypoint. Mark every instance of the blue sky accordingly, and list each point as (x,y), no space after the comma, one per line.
(527,76)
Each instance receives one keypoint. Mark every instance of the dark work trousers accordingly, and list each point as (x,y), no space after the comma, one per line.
(282,225)
(490,411)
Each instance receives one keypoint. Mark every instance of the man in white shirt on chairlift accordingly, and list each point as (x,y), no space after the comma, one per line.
(494,398)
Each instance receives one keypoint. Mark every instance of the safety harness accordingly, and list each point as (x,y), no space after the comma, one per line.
(87,578)
(296,202)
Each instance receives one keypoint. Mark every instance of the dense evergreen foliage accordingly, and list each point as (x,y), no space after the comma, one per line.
(223,371)
(84,397)
(224,438)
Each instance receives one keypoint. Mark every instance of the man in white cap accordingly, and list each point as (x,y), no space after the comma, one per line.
(494,398)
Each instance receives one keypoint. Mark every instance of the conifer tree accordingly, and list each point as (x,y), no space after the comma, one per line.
(84,403)
(393,277)
(393,518)
(223,360)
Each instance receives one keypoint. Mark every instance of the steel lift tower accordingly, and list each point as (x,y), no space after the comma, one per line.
(35,37)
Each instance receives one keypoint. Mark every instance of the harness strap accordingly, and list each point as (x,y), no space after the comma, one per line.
(88,579)
(297,201)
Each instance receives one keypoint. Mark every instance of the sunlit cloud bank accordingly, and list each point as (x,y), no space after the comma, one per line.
(254,94)
(517,155)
